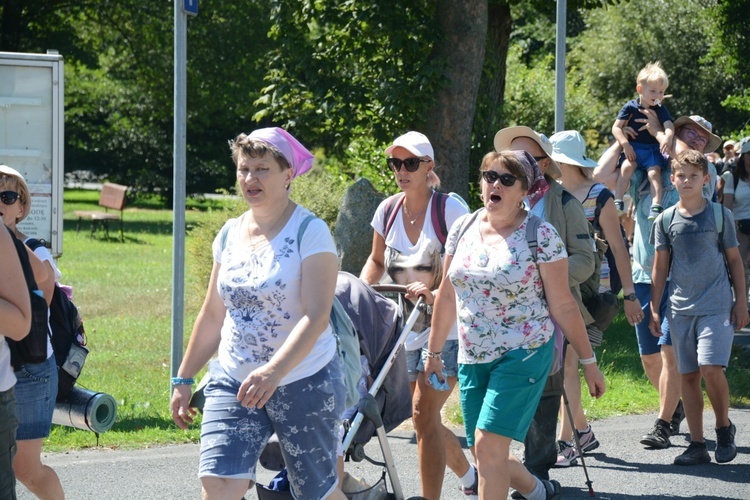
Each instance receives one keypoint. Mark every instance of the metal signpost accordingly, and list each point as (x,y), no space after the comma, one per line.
(181,9)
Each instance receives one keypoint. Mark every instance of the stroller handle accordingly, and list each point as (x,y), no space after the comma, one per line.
(389,288)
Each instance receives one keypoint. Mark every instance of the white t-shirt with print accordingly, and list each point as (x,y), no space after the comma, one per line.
(500,300)
(262,292)
(422,261)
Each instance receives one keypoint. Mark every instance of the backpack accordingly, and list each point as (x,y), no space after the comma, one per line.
(68,336)
(602,306)
(347,340)
(437,212)
(718,209)
(531,239)
(33,347)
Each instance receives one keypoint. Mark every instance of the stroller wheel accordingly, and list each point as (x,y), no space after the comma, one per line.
(271,457)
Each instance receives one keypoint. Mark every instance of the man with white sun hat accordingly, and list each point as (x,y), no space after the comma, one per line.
(565,213)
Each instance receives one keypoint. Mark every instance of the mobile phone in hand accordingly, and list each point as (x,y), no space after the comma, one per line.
(436,384)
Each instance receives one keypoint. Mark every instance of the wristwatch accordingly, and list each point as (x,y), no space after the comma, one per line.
(631,297)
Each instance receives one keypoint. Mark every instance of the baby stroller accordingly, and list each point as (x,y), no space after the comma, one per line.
(382,330)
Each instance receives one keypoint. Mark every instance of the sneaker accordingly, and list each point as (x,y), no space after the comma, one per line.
(620,206)
(473,490)
(567,454)
(726,450)
(587,440)
(554,490)
(659,435)
(677,417)
(696,453)
(654,212)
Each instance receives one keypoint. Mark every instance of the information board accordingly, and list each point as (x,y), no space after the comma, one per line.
(31,137)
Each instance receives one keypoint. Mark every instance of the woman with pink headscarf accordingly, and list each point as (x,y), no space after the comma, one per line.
(266,312)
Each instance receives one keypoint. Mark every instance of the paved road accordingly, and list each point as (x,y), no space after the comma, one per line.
(620,468)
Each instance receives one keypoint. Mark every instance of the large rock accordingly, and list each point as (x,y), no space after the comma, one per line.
(353,233)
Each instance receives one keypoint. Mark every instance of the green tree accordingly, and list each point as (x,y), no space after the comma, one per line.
(681,33)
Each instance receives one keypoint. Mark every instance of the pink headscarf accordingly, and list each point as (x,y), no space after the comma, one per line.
(299,158)
(537,184)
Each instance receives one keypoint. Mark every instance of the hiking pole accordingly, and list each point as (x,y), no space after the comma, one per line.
(577,443)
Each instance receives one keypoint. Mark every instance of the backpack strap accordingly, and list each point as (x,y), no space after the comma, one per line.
(531,234)
(302,227)
(467,223)
(719,221)
(601,200)
(391,211)
(225,231)
(34,243)
(438,216)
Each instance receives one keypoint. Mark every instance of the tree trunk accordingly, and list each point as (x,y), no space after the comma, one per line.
(449,123)
(489,117)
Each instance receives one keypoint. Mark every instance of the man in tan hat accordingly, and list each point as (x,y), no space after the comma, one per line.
(566,214)
(657,355)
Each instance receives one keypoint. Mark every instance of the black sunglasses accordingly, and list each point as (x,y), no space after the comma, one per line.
(411,164)
(8,197)
(507,180)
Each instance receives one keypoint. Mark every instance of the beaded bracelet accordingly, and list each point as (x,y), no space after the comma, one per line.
(182,381)
(431,354)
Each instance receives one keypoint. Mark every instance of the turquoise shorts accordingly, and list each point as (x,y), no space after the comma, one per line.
(501,396)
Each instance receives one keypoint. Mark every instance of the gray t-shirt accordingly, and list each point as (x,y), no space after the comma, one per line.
(699,282)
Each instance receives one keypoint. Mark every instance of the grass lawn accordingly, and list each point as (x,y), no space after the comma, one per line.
(123,291)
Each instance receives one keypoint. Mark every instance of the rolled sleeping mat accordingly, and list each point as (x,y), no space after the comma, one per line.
(87,410)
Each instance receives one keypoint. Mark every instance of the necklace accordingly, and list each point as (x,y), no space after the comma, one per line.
(257,241)
(409,217)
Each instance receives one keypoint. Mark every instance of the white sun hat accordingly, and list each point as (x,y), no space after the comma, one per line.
(569,147)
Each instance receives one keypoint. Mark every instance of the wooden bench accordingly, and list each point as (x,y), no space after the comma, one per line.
(112,197)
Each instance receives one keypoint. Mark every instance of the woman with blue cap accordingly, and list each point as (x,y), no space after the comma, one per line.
(266,312)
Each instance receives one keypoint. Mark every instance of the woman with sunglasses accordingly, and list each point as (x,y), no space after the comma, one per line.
(36,386)
(505,301)
(410,252)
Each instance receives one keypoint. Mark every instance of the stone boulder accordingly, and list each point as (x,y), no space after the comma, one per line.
(353,233)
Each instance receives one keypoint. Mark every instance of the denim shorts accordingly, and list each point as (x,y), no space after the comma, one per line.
(647,343)
(415,360)
(702,340)
(501,396)
(36,392)
(8,425)
(648,155)
(305,415)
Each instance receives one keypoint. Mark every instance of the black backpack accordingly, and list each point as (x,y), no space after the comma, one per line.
(33,347)
(68,336)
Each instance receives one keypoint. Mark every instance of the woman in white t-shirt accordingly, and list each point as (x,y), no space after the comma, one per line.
(737,198)
(407,246)
(267,313)
(36,383)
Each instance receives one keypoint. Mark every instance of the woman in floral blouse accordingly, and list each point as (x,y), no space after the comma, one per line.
(505,300)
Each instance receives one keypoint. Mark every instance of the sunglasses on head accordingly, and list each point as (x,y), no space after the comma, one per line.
(8,197)
(411,164)
(507,180)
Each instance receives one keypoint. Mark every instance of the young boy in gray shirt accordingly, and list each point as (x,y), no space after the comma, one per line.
(696,244)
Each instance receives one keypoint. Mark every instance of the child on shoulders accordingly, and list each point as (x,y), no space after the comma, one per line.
(644,152)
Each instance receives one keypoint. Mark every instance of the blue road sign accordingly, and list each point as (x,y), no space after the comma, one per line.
(190,7)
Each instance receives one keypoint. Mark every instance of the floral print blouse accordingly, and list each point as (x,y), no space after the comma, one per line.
(500,300)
